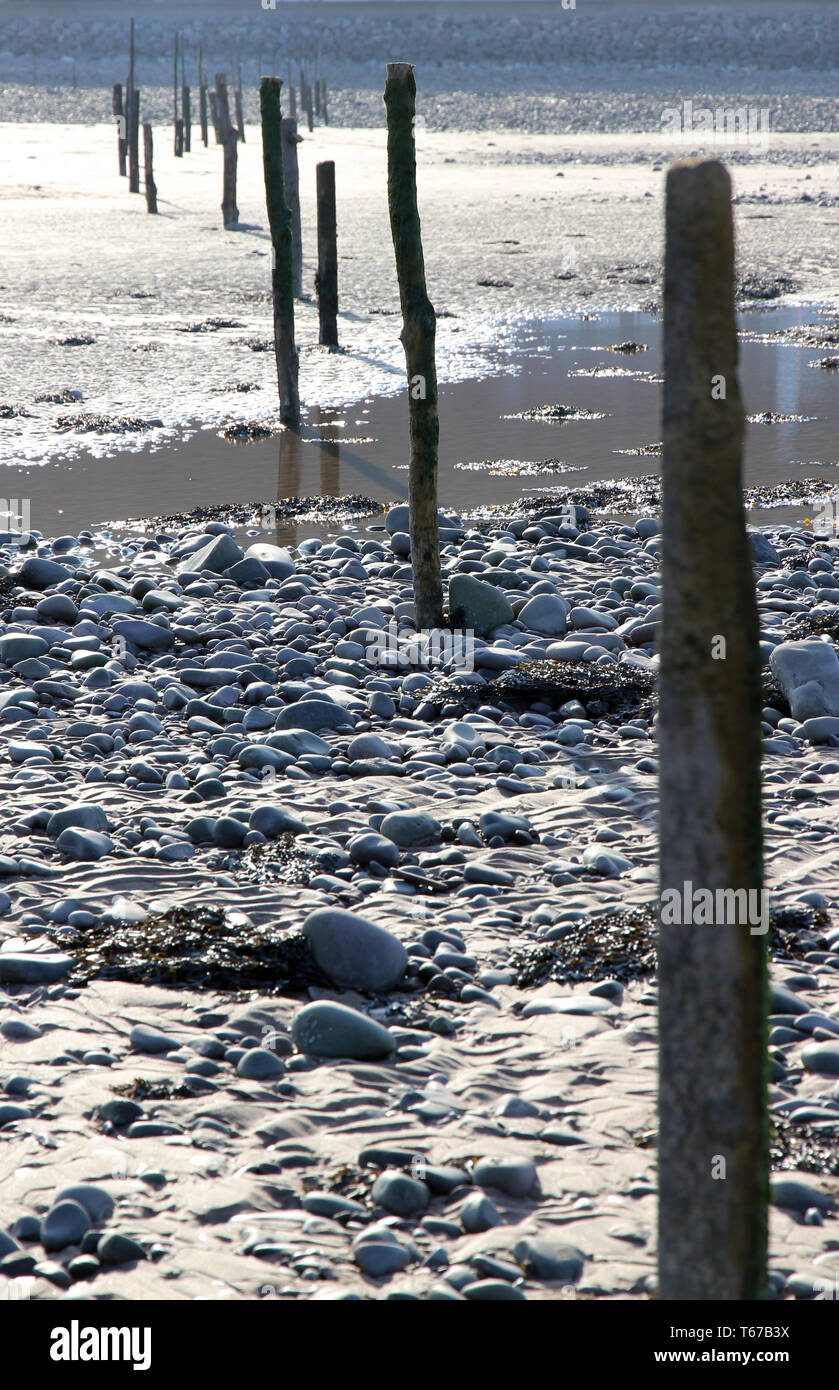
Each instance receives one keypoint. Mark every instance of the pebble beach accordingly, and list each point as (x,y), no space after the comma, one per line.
(328,964)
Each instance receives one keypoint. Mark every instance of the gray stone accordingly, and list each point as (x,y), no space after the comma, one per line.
(217,555)
(546,614)
(493,1291)
(296,741)
(808,674)
(325,1029)
(353,952)
(275,820)
(84,815)
(377,1259)
(38,573)
(788,1191)
(84,844)
(478,1213)
(821,1058)
(258,1064)
(118,1249)
(147,635)
(515,1177)
(363,849)
(476,606)
(763,551)
(276,559)
(314,714)
(98,1203)
(545,1257)
(150,1041)
(399,1194)
(18,968)
(409,828)
(64,1224)
(18,646)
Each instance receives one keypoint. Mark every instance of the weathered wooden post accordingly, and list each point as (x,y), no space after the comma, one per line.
(179,135)
(419,329)
(186,105)
(323,106)
(240,118)
(134,146)
(310,120)
(131,135)
(317,96)
(119,113)
(229,140)
(713,1129)
(292,104)
(326,280)
(202,97)
(148,159)
(282,271)
(214,114)
(292,193)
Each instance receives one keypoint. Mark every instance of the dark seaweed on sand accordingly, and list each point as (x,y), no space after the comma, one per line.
(620,688)
(802,1149)
(200,947)
(313,509)
(622,946)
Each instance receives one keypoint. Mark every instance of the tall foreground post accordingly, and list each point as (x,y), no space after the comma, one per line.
(292,193)
(279,221)
(713,1132)
(327,276)
(419,328)
(229,139)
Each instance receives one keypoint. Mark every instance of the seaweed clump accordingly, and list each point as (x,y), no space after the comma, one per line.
(622,946)
(617,689)
(196,947)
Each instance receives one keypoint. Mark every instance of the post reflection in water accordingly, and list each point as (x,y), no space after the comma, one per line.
(289,461)
(330,456)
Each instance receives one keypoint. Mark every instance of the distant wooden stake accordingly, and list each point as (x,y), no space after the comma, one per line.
(292,104)
(323,106)
(202,97)
(240,119)
(119,113)
(280,223)
(134,146)
(179,136)
(131,133)
(148,158)
(310,119)
(214,114)
(229,139)
(292,192)
(326,281)
(186,107)
(713,1058)
(178,142)
(419,328)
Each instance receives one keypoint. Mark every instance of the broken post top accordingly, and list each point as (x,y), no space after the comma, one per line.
(399,72)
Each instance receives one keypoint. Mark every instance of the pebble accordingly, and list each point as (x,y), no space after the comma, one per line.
(354,952)
(399,1194)
(64,1224)
(478,1213)
(325,1029)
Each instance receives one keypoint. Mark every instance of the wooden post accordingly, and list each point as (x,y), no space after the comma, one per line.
(202,97)
(186,107)
(419,329)
(148,158)
(310,119)
(323,106)
(119,112)
(179,136)
(713,1126)
(134,147)
(229,140)
(131,133)
(292,193)
(240,118)
(326,280)
(214,114)
(317,96)
(178,141)
(292,104)
(282,273)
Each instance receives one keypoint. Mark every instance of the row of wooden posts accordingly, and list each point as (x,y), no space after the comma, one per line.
(713,994)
